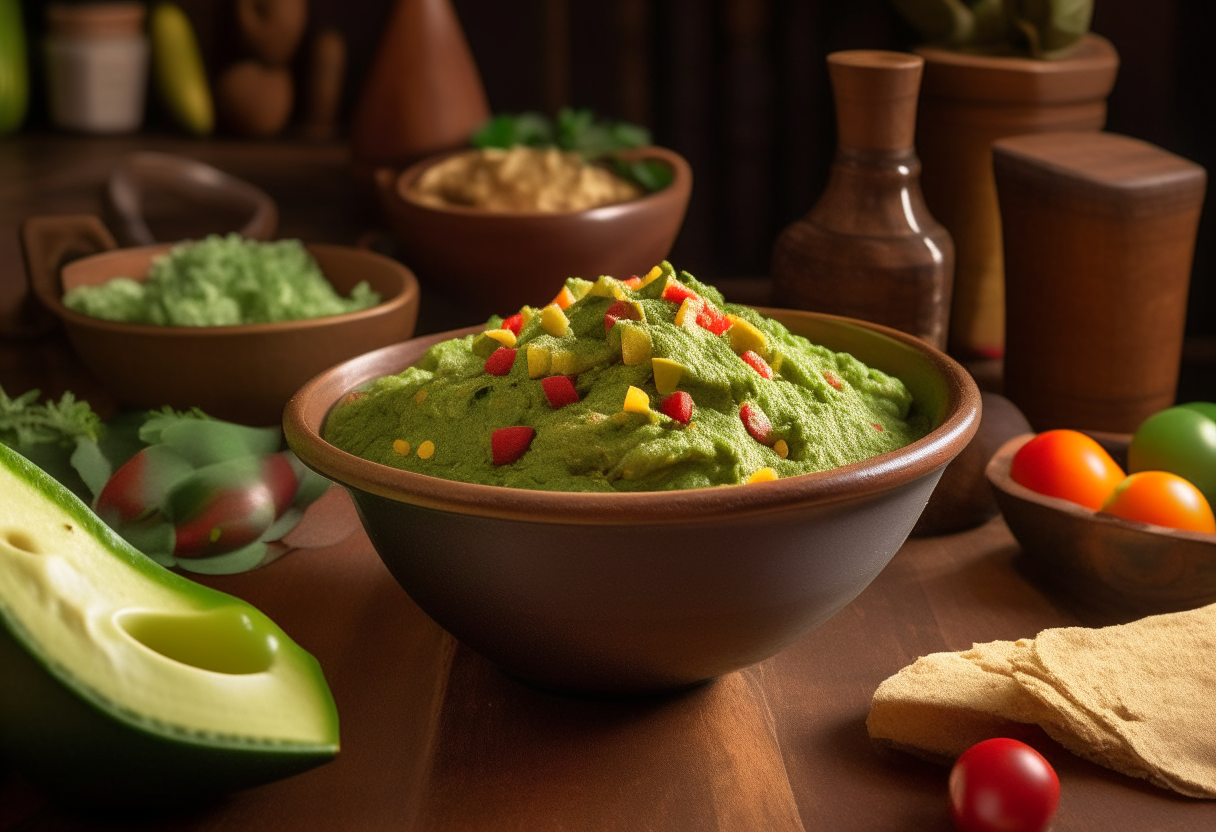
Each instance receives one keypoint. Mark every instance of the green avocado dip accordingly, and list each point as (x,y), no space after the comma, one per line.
(222,281)
(641,385)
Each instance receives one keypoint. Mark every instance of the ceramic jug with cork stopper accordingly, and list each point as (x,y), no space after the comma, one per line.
(869,249)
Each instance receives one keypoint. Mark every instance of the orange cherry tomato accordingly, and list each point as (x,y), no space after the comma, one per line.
(1164,499)
(1069,465)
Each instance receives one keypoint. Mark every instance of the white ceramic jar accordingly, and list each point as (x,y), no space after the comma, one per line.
(97,66)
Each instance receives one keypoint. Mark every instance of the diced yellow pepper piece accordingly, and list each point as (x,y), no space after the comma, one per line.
(636,401)
(686,315)
(782,448)
(744,336)
(401,446)
(636,346)
(667,374)
(608,287)
(763,475)
(420,396)
(503,336)
(554,321)
(539,359)
(651,276)
(525,315)
(426,450)
(578,287)
(563,363)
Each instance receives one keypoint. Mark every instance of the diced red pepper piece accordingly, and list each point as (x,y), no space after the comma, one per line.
(514,323)
(559,390)
(678,406)
(751,359)
(711,318)
(877,426)
(757,423)
(677,292)
(621,310)
(633,282)
(500,361)
(832,380)
(509,444)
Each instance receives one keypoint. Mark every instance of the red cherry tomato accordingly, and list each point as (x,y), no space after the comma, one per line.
(1069,465)
(1002,785)
(1164,499)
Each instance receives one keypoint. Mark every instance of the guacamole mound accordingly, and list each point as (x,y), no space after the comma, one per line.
(765,403)
(222,281)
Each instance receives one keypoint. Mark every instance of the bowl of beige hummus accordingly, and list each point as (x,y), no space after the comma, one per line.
(638,487)
(495,229)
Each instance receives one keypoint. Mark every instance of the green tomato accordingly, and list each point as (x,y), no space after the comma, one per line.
(1180,440)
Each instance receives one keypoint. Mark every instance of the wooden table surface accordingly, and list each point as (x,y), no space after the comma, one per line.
(436,738)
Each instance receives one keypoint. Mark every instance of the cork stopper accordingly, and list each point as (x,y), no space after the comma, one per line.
(875,95)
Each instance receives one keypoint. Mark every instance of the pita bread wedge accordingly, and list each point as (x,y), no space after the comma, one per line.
(1137,698)
(944,703)
(1151,684)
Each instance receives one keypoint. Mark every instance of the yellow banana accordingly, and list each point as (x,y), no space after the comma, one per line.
(14,72)
(177,68)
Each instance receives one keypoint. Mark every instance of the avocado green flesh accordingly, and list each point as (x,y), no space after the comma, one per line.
(124,681)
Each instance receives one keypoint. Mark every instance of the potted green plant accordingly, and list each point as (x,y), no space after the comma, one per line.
(996,68)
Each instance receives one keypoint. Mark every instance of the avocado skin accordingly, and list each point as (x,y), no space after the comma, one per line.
(86,757)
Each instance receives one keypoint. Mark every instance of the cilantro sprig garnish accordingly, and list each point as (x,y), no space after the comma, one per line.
(578,130)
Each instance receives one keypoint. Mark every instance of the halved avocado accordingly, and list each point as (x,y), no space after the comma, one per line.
(124,683)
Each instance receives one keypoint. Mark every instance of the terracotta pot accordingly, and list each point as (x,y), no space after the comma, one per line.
(967,102)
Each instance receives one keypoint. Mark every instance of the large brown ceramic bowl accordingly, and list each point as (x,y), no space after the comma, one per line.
(496,262)
(241,373)
(625,592)
(1104,561)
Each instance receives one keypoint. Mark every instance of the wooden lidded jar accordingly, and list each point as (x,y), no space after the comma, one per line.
(869,249)
(1099,234)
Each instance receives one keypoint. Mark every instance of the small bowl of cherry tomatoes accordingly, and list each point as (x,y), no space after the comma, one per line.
(1120,521)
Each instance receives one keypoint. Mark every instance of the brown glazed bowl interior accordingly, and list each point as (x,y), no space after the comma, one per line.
(496,262)
(635,592)
(242,373)
(1117,565)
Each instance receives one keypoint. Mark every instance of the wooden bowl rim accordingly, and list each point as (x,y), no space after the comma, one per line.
(997,473)
(306,411)
(407,295)
(398,189)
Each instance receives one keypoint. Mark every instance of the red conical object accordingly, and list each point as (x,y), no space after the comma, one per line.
(423,93)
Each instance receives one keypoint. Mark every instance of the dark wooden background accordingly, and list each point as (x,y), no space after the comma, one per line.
(740,88)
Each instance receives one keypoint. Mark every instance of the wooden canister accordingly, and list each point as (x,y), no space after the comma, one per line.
(1099,232)
(967,101)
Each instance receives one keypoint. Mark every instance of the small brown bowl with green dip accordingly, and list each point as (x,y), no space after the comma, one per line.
(244,373)
(625,593)
(490,260)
